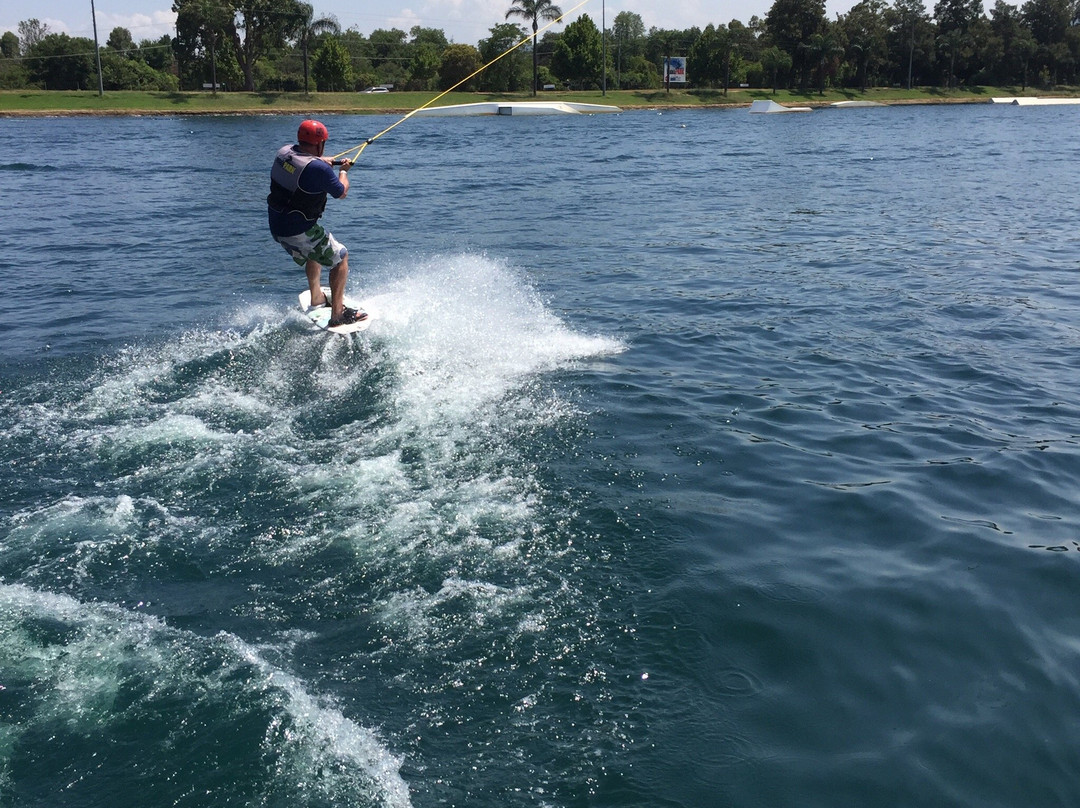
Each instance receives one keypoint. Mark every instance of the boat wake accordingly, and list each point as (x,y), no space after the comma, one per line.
(188,525)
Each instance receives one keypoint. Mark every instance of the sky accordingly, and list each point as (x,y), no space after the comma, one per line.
(464,21)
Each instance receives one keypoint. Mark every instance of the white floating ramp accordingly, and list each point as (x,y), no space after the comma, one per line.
(1028,101)
(517,108)
(772,106)
(849,104)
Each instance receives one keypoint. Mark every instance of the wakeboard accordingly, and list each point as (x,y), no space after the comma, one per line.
(320,315)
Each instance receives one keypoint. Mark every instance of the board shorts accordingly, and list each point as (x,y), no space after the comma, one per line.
(316,244)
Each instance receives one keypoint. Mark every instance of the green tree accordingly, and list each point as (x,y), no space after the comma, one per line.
(259,27)
(628,39)
(824,49)
(390,55)
(638,73)
(31,32)
(1026,47)
(12,73)
(628,31)
(866,30)
(545,50)
(957,23)
(120,40)
(744,41)
(61,62)
(157,53)
(308,28)
(776,63)
(429,36)
(359,50)
(123,72)
(510,73)
(1049,22)
(9,45)
(1006,26)
(910,34)
(388,45)
(578,56)
(709,58)
(790,25)
(202,28)
(952,41)
(534,11)
(458,62)
(332,68)
(425,54)
(957,15)
(424,66)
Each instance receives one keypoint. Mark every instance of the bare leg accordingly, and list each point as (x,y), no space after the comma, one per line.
(314,279)
(338,276)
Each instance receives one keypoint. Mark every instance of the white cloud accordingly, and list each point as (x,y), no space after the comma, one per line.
(78,22)
(405,20)
(142,26)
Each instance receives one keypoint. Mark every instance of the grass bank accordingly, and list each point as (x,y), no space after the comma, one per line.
(131,102)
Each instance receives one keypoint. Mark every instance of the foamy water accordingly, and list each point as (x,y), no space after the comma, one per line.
(427,481)
(99,669)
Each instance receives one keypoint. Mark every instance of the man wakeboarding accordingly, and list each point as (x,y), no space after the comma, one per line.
(300,180)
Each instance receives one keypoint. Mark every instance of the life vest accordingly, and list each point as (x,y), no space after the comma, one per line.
(286,196)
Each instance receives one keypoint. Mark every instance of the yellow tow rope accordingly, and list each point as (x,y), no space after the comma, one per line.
(359,149)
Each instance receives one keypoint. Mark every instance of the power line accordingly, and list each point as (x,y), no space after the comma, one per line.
(107,49)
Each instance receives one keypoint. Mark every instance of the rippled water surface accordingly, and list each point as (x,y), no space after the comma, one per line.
(693,459)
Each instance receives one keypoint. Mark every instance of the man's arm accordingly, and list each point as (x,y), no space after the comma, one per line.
(343,177)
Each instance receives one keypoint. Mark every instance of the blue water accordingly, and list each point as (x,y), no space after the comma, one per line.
(692,459)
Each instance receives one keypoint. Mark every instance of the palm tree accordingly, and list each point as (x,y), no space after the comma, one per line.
(534,10)
(308,28)
(823,47)
(952,41)
(775,62)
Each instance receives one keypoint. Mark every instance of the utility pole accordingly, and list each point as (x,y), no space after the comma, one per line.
(97,53)
(603,33)
(911,52)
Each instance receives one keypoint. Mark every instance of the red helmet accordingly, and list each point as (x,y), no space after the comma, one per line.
(312,132)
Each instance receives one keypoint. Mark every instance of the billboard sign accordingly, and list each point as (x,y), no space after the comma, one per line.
(675,70)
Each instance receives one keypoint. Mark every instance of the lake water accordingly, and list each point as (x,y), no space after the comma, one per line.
(693,459)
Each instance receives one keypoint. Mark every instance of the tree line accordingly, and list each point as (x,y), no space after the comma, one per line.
(283,45)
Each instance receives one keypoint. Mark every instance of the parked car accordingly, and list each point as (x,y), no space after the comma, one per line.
(376,90)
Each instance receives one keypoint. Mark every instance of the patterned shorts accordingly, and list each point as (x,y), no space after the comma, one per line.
(315,245)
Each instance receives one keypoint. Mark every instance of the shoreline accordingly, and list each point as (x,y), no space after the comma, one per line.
(136,103)
(336,110)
